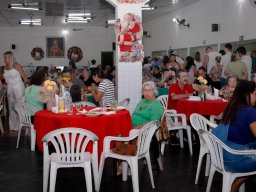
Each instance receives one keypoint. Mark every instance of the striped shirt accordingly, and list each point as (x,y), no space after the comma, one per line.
(108,88)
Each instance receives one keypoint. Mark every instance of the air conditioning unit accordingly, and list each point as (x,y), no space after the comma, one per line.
(253,3)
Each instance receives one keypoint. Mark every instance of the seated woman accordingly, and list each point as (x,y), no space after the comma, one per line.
(75,93)
(106,89)
(227,91)
(32,92)
(147,110)
(239,130)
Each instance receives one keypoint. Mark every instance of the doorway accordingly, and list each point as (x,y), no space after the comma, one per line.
(107,58)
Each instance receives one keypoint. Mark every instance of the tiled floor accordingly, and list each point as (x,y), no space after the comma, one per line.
(22,171)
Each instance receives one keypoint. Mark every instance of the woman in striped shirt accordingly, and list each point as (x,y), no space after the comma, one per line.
(106,89)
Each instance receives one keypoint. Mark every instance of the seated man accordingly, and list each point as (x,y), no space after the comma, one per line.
(181,89)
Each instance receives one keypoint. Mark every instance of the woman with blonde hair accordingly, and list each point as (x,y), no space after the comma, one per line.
(13,74)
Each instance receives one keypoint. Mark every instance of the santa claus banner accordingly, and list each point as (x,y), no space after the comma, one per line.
(129,32)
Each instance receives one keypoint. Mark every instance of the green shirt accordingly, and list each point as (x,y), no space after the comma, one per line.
(236,68)
(147,111)
(31,97)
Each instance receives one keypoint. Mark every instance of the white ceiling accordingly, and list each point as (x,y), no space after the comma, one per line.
(54,11)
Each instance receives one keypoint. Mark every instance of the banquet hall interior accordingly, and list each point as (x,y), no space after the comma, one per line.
(179,27)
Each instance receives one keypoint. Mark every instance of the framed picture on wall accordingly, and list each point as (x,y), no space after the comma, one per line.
(55,47)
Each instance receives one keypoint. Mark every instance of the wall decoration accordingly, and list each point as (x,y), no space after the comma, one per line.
(129,33)
(75,54)
(55,47)
(37,53)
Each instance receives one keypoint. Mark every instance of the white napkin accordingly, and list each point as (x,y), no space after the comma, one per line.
(210,97)
(54,109)
(194,98)
(216,93)
(109,113)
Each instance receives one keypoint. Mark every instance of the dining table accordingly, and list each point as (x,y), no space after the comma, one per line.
(206,108)
(108,124)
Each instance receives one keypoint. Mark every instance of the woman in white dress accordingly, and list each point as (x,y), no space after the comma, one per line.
(13,74)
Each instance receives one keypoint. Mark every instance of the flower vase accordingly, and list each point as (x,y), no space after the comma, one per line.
(203,96)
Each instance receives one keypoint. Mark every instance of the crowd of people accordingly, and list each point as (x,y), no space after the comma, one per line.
(217,67)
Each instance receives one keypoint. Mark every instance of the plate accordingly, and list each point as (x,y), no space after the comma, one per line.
(92,114)
(117,108)
(120,108)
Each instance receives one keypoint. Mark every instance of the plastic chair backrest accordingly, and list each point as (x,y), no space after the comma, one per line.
(70,144)
(163,100)
(200,122)
(124,103)
(215,148)
(173,121)
(145,135)
(24,111)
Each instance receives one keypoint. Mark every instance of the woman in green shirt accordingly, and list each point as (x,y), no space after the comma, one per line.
(32,92)
(149,108)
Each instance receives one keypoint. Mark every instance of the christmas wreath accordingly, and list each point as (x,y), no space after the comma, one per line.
(75,54)
(37,53)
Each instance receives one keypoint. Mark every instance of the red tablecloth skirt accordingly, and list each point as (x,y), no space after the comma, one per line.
(103,125)
(208,107)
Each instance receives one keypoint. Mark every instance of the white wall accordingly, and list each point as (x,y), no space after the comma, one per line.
(92,41)
(236,17)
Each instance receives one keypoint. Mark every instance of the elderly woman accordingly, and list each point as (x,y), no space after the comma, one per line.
(13,74)
(149,108)
(227,90)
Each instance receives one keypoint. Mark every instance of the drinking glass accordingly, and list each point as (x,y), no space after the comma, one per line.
(104,105)
(113,105)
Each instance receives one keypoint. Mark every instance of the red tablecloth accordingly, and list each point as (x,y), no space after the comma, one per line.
(103,125)
(208,107)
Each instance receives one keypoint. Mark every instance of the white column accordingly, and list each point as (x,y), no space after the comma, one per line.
(128,74)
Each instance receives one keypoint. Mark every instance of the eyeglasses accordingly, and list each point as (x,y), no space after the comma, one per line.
(147,90)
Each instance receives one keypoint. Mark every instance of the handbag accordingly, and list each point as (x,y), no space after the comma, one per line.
(164,134)
(125,147)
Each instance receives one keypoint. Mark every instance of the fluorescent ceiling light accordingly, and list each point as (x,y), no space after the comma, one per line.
(76,21)
(79,18)
(111,21)
(27,8)
(26,5)
(31,22)
(148,8)
(79,14)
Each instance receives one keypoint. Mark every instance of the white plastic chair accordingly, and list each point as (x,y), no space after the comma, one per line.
(70,144)
(144,136)
(24,112)
(216,148)
(163,100)
(197,121)
(172,118)
(124,103)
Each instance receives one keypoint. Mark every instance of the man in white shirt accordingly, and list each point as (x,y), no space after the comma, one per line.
(225,60)
(209,59)
(246,59)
